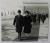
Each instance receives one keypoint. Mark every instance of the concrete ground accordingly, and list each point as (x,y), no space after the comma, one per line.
(43,31)
(9,33)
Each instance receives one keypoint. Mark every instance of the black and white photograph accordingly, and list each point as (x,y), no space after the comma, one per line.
(24,21)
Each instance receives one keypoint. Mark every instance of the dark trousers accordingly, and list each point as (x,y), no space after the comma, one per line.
(39,21)
(19,35)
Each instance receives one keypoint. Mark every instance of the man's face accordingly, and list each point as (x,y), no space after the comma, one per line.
(18,13)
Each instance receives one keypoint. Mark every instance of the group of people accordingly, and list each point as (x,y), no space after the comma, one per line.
(37,17)
(25,21)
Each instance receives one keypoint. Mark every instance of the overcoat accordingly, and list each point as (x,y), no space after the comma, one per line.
(39,17)
(34,18)
(27,24)
(43,17)
(19,23)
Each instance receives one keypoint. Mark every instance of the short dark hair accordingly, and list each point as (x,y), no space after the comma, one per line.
(19,11)
(27,12)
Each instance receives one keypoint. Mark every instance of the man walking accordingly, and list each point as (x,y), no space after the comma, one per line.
(19,23)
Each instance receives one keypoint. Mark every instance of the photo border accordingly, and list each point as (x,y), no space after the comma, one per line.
(30,1)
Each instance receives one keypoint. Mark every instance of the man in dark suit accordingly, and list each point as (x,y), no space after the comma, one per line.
(43,17)
(19,23)
(39,17)
(34,17)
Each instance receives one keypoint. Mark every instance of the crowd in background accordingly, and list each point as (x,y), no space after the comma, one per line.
(38,16)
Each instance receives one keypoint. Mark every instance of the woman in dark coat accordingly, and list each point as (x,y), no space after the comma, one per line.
(19,23)
(27,23)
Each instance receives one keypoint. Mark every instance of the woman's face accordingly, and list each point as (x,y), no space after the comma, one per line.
(26,14)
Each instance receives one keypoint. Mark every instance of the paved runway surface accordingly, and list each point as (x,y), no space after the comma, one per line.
(9,33)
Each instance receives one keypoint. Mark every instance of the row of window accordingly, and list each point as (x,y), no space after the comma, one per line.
(6,13)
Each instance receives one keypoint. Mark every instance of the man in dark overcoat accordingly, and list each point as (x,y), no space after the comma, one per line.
(39,17)
(43,17)
(19,23)
(34,17)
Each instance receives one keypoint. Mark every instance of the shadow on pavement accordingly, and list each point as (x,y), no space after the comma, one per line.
(27,39)
(32,38)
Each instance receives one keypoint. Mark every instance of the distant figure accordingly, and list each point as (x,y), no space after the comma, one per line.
(39,17)
(5,13)
(27,23)
(46,15)
(43,17)
(1,13)
(19,23)
(8,12)
(34,17)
